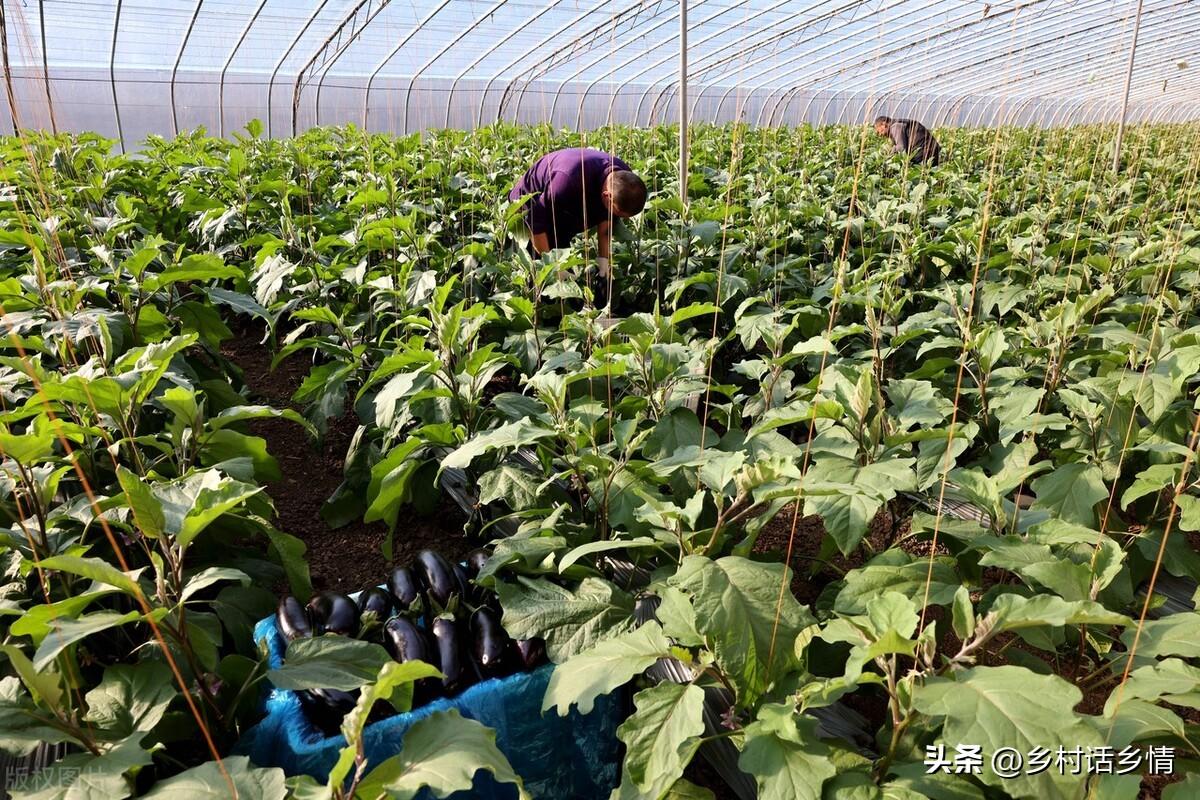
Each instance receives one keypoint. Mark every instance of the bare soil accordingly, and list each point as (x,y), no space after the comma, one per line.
(343,559)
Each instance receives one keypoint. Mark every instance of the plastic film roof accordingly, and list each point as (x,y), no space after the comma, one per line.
(131,67)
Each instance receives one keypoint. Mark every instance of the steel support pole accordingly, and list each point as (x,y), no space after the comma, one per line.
(112,74)
(683,105)
(1137,24)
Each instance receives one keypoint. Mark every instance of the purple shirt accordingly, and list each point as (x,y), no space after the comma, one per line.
(567,186)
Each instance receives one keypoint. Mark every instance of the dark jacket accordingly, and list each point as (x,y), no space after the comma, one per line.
(910,136)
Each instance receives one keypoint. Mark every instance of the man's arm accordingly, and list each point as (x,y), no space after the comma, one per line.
(899,134)
(541,242)
(604,244)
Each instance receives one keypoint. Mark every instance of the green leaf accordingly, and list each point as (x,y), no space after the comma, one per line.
(1175,635)
(916,403)
(1071,492)
(147,511)
(211,781)
(131,698)
(601,669)
(898,572)
(394,685)
(1137,720)
(662,733)
(95,568)
(196,267)
(290,550)
(521,433)
(329,662)
(569,622)
(1171,680)
(1012,612)
(68,631)
(442,752)
(603,546)
(963,617)
(1187,788)
(742,611)
(83,776)
(518,488)
(211,504)
(1150,480)
(44,686)
(210,576)
(1011,707)
(785,756)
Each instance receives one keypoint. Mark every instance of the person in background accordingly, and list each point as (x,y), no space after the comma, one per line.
(910,137)
(575,190)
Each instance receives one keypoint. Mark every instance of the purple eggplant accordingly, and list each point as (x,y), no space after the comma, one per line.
(405,641)
(334,612)
(490,642)
(467,589)
(326,708)
(376,601)
(531,652)
(476,559)
(448,644)
(406,586)
(438,576)
(293,620)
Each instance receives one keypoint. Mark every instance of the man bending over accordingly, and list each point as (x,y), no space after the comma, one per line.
(575,190)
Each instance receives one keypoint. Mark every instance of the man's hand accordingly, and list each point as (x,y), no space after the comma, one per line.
(602,267)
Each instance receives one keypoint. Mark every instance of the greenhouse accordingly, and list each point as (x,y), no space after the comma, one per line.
(552,399)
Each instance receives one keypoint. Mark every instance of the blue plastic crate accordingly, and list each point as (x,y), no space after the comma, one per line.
(575,756)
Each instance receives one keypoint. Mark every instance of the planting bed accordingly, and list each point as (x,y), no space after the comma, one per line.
(236,368)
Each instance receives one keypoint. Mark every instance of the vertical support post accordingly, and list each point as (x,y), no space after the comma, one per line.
(683,105)
(112,74)
(1137,25)
(46,65)
(8,84)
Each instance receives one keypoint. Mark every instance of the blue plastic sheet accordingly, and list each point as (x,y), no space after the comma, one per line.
(577,756)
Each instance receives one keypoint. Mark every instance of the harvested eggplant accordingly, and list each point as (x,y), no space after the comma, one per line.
(438,575)
(449,653)
(466,588)
(293,620)
(405,641)
(489,640)
(407,588)
(531,652)
(376,601)
(476,559)
(325,708)
(334,612)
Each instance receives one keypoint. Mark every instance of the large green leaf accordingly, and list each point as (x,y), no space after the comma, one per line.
(442,752)
(197,267)
(1071,492)
(897,571)
(329,662)
(1011,707)
(610,663)
(131,698)
(746,611)
(234,779)
(785,756)
(1013,612)
(1174,635)
(662,733)
(1172,680)
(569,621)
(83,776)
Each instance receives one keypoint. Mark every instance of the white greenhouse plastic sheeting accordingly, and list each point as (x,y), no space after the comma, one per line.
(128,68)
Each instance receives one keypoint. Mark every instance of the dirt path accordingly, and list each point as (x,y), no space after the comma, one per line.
(348,558)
